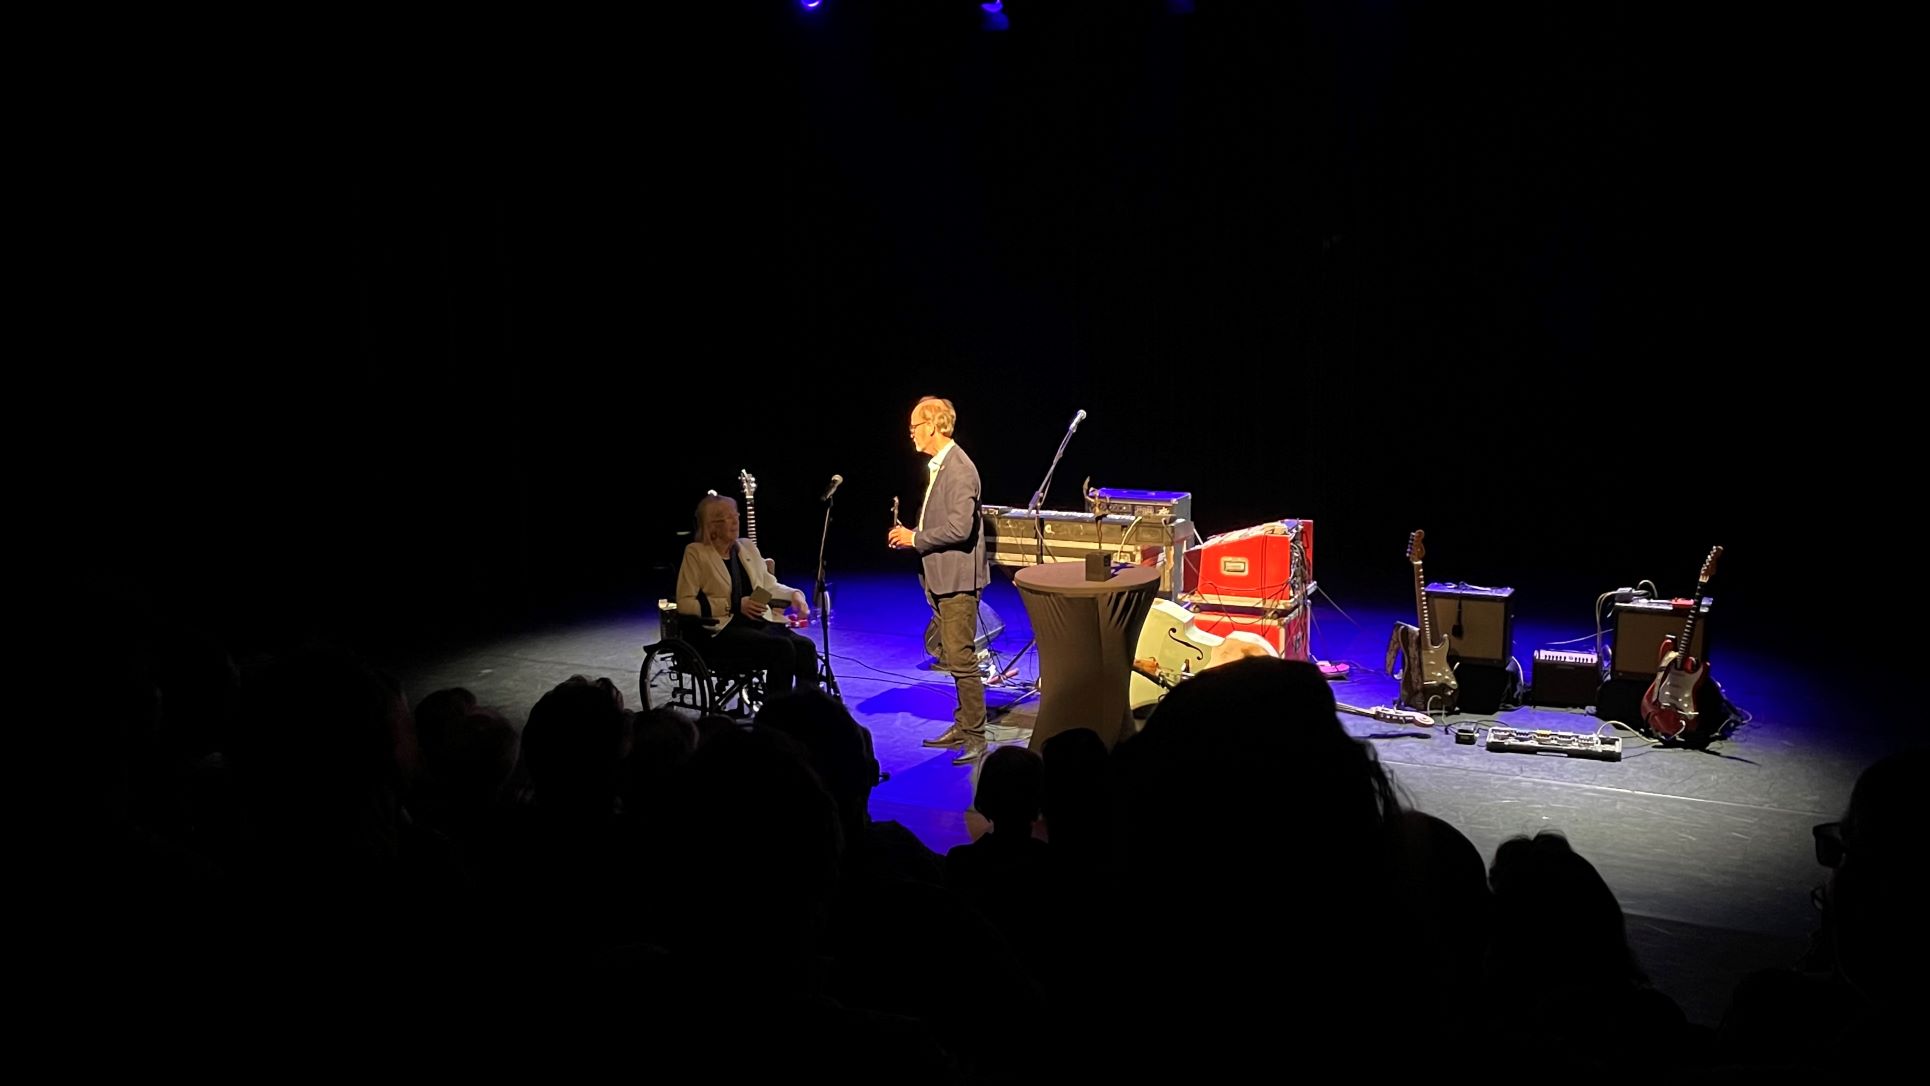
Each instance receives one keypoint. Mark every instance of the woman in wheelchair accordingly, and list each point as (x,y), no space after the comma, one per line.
(724,589)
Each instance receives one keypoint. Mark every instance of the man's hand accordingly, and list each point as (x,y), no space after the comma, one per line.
(751,608)
(900,537)
(799,608)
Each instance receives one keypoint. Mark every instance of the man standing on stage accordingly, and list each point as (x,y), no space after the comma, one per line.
(950,541)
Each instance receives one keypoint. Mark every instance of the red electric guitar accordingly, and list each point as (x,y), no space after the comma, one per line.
(1668,705)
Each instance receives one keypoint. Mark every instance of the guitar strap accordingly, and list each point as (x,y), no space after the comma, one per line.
(740,578)
(1394,644)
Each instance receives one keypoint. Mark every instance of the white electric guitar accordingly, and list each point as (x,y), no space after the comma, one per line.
(772,613)
(1390,716)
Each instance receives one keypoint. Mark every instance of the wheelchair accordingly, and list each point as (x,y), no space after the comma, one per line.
(675,676)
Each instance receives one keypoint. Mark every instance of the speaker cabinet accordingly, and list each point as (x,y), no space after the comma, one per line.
(1488,688)
(1479,622)
(1621,699)
(1640,626)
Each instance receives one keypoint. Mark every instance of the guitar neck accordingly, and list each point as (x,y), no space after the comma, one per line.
(1424,613)
(1688,625)
(750,520)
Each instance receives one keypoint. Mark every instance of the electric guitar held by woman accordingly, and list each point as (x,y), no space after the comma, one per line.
(771,614)
(1668,705)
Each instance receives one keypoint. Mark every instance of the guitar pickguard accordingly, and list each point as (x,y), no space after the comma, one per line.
(1668,705)
(1674,689)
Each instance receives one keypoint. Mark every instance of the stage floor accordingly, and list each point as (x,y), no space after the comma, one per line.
(1709,850)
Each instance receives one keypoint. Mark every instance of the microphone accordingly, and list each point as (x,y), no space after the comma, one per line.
(836,481)
(1078,418)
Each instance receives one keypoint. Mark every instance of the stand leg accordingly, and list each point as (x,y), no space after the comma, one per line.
(1028,691)
(828,677)
(1005,673)
(994,715)
(818,600)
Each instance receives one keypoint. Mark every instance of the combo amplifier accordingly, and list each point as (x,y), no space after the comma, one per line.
(1565,680)
(1640,626)
(1479,622)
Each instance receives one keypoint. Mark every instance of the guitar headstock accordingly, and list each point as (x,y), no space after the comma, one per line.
(1709,565)
(1403,716)
(1416,550)
(748,481)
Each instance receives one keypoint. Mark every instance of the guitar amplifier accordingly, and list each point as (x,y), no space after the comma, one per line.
(1287,632)
(1166,505)
(1640,626)
(1565,680)
(1267,567)
(1479,622)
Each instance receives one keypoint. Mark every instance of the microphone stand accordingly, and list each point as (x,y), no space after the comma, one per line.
(818,599)
(1038,530)
(1045,485)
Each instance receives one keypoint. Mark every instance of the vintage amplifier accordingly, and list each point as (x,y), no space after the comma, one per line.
(1268,567)
(1478,621)
(1640,626)
(1286,631)
(1154,504)
(1012,537)
(1564,679)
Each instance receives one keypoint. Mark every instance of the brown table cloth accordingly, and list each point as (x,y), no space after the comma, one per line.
(1087,631)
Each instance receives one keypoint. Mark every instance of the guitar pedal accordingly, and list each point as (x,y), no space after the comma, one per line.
(1601,748)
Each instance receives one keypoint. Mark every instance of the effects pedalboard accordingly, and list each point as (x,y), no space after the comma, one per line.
(1605,748)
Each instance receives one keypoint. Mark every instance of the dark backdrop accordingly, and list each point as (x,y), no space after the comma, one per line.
(414,329)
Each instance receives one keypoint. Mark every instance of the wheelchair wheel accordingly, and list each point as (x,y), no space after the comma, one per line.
(740,695)
(674,676)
